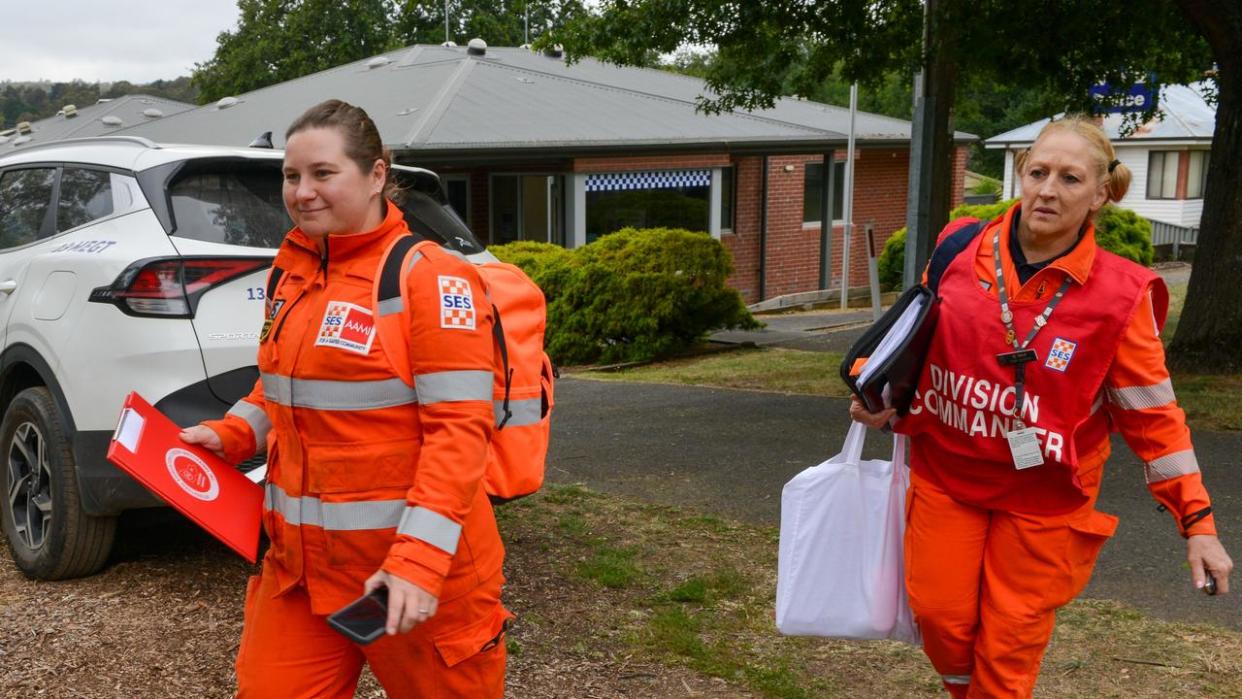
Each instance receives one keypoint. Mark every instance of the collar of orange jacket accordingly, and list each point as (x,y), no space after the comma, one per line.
(347,245)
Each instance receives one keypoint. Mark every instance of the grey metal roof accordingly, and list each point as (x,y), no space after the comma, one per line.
(89,120)
(433,99)
(1187,116)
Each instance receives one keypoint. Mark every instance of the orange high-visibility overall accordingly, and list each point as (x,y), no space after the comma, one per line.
(992,552)
(365,471)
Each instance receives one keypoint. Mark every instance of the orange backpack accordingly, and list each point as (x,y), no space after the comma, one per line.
(523,386)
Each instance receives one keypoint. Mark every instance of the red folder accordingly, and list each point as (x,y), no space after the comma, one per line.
(216,496)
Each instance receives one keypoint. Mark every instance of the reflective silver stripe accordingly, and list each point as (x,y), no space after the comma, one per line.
(256,418)
(1140,397)
(432,527)
(956,679)
(1179,463)
(388,307)
(337,395)
(441,386)
(528,411)
(396,305)
(334,516)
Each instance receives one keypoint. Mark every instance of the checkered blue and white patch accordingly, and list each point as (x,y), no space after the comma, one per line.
(656,179)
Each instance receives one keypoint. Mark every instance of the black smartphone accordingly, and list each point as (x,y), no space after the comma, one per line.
(362,620)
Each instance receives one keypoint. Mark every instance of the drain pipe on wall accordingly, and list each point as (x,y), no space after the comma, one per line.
(763,234)
(848,204)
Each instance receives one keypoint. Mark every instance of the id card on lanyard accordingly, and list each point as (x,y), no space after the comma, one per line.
(1023,442)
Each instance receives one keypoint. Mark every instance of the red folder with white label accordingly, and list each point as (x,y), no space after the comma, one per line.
(199,484)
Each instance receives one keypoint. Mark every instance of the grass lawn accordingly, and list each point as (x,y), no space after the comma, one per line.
(1210,401)
(651,590)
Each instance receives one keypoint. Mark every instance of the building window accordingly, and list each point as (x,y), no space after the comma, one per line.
(664,199)
(457,190)
(813,181)
(1162,174)
(527,207)
(728,190)
(1196,175)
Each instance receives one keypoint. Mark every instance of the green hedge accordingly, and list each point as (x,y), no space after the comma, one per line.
(1117,230)
(633,295)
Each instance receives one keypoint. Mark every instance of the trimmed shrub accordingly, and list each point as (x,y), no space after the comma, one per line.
(1125,233)
(892,260)
(633,295)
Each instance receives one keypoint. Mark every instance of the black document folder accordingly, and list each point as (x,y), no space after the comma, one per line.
(895,347)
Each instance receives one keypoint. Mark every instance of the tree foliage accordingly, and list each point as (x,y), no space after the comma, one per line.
(279,40)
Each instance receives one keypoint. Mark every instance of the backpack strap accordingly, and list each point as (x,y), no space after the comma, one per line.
(498,331)
(273,280)
(948,250)
(389,300)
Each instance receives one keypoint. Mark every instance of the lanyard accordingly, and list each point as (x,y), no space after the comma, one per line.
(1021,354)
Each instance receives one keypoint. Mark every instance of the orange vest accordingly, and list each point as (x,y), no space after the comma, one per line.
(365,470)
(965,401)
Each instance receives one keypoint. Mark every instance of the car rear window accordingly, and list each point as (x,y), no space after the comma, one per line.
(236,205)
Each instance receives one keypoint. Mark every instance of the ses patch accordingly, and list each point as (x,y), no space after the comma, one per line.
(1060,355)
(347,326)
(456,304)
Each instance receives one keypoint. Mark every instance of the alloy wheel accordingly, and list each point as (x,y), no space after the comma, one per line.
(30,485)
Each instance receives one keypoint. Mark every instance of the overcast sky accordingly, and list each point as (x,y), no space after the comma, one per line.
(134,40)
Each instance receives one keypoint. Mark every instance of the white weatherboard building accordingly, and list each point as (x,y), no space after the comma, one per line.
(1168,156)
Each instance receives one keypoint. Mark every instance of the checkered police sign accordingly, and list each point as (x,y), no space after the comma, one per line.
(656,179)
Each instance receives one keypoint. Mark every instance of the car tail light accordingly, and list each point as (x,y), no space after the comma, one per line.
(171,287)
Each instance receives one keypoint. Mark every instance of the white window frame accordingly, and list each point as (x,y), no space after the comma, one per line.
(814,225)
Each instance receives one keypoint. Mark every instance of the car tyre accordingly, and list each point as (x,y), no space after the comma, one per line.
(49,534)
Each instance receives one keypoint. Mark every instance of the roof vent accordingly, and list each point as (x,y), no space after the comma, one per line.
(525,47)
(70,111)
(23,127)
(379,62)
(101,100)
(449,44)
(112,120)
(152,113)
(554,51)
(4,140)
(20,140)
(407,111)
(226,102)
(476,47)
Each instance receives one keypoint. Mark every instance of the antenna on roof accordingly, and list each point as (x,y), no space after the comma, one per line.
(264,140)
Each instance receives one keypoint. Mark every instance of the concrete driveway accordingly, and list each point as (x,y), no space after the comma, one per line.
(729,452)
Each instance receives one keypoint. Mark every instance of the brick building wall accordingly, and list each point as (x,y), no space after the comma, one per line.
(792,263)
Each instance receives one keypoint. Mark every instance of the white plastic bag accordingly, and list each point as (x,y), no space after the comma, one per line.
(841,568)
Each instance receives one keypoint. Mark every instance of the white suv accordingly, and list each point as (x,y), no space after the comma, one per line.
(130,266)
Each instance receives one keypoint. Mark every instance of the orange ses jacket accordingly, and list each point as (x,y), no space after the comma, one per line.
(363,470)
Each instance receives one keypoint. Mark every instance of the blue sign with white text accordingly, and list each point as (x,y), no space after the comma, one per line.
(1136,98)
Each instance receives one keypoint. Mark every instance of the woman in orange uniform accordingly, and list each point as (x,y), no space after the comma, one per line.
(371,482)
(1045,343)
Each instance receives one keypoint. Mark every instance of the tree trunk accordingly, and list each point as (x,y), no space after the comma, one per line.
(1209,333)
(931,181)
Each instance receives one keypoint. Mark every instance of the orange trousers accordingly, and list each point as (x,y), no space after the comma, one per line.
(985,584)
(289,653)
